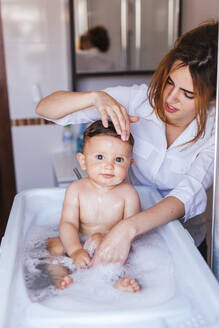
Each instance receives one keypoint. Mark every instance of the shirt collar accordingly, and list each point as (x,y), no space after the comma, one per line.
(152,116)
(188,134)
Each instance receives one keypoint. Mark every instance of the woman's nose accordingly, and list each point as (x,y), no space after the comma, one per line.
(173,96)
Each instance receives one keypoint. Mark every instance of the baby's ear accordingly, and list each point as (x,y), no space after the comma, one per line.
(81,160)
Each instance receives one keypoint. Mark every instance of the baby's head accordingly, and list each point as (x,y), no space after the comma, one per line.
(97,128)
(104,155)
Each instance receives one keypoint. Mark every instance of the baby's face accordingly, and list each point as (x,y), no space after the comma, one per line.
(107,159)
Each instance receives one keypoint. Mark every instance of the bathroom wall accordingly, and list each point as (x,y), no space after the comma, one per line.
(37,42)
(196,11)
(37,51)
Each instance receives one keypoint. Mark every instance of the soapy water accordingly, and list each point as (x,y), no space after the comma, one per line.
(149,262)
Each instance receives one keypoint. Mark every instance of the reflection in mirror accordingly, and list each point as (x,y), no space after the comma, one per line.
(138,32)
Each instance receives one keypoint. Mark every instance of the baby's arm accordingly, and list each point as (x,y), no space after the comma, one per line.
(132,202)
(69,226)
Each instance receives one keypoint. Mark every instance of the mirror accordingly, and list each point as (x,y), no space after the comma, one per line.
(122,35)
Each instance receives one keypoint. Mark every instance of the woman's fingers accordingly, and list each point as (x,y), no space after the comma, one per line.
(133,119)
(110,108)
(104,255)
(104,117)
(120,119)
(126,125)
(101,259)
(104,259)
(116,121)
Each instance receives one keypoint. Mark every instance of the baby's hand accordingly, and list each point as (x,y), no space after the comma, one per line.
(81,258)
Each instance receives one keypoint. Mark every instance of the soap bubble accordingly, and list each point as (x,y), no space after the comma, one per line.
(149,262)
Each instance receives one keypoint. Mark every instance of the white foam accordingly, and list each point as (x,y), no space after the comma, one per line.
(149,262)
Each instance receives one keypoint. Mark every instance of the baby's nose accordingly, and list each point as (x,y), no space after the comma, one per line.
(109,164)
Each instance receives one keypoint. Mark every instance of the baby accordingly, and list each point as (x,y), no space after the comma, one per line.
(93,205)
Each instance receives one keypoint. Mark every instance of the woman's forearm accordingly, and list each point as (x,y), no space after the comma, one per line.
(166,210)
(116,244)
(62,103)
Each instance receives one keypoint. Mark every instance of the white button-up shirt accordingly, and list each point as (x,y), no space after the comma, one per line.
(185,172)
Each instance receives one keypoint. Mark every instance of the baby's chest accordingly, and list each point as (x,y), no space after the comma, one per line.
(101,208)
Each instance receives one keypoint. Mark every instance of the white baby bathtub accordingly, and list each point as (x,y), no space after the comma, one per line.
(194,303)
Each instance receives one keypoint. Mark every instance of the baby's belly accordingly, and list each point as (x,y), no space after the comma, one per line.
(88,230)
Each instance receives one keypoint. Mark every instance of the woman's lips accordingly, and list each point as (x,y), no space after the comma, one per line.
(170,109)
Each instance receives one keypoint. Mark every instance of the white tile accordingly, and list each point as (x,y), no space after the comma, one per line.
(25,66)
(25,21)
(44,65)
(58,67)
(36,21)
(58,26)
(33,147)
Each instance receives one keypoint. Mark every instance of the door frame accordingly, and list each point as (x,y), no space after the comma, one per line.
(7,174)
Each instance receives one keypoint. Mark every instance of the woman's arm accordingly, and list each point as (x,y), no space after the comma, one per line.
(62,103)
(116,245)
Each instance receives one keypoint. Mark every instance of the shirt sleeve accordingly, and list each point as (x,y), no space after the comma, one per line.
(122,94)
(191,190)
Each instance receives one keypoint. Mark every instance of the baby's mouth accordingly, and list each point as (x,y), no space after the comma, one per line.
(107,175)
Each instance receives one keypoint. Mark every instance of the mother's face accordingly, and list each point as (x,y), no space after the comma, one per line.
(179,96)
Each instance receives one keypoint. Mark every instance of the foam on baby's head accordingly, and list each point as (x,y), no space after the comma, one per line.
(97,128)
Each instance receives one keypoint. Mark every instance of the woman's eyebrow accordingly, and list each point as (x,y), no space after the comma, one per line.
(185,90)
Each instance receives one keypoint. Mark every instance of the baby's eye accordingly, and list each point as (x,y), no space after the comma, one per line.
(119,159)
(99,156)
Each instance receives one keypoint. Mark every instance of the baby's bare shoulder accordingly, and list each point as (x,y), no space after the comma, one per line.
(131,200)
(126,187)
(76,186)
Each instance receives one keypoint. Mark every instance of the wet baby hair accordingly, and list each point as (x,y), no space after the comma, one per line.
(97,128)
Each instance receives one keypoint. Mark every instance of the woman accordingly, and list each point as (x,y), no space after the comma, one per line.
(173,130)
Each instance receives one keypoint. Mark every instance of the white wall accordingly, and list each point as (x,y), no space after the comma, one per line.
(195,12)
(33,146)
(36,35)
(36,40)
(37,43)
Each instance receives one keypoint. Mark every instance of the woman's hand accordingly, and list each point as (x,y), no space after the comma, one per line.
(93,242)
(62,103)
(108,106)
(115,246)
(81,258)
